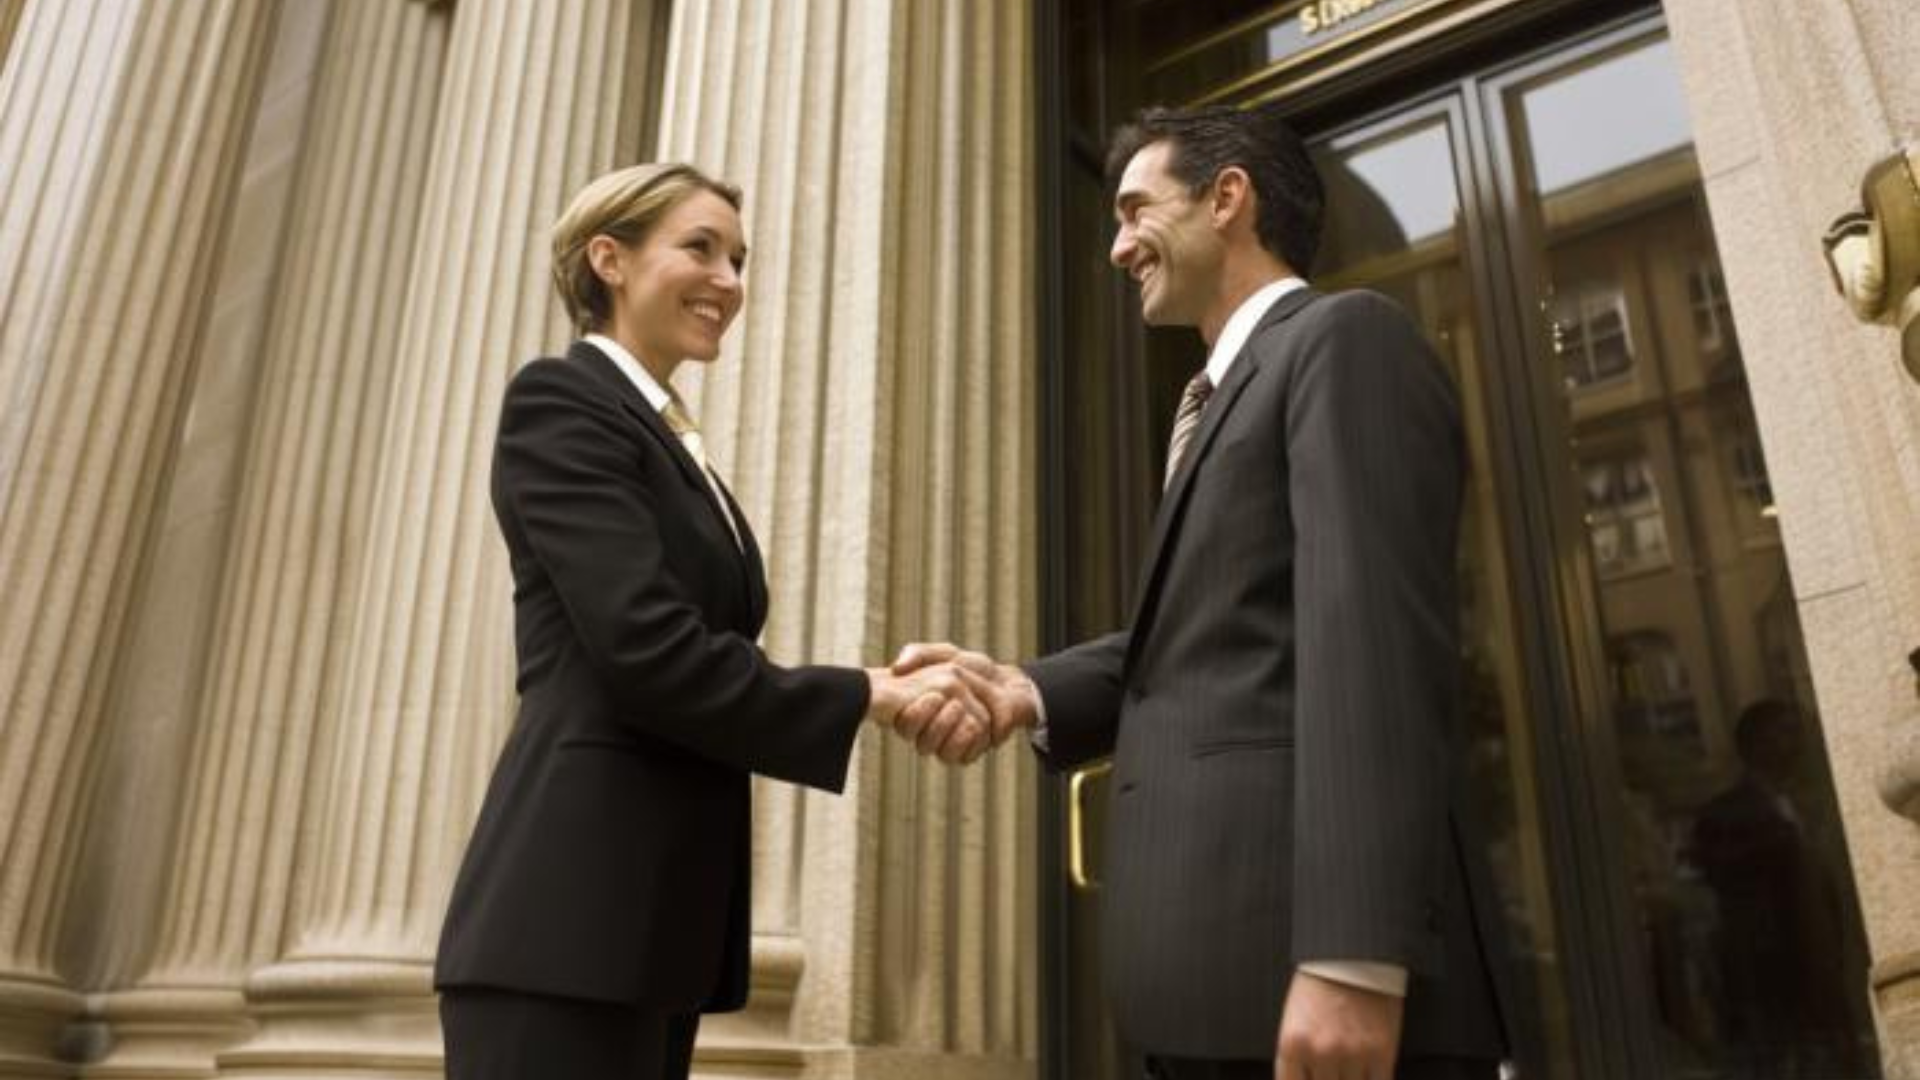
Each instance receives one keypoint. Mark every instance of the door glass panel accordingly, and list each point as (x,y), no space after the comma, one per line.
(1394,225)
(1745,921)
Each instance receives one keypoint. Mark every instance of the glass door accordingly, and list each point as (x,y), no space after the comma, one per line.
(1694,711)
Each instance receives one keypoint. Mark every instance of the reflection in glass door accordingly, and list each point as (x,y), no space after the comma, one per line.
(1701,723)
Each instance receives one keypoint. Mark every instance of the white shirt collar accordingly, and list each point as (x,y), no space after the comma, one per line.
(1233,336)
(636,372)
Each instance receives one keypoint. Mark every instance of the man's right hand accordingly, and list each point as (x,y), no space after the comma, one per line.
(1009,695)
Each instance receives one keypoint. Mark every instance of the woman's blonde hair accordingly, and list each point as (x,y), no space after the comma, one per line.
(624,204)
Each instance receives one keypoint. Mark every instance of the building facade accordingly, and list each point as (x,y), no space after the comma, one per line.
(266,266)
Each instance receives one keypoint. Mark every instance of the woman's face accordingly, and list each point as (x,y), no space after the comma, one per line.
(679,289)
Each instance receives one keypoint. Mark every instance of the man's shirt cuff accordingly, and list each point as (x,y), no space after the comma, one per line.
(1390,979)
(1037,737)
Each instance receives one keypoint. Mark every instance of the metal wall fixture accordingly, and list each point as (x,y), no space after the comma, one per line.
(1874,252)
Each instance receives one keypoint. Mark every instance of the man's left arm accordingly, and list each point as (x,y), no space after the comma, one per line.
(1374,471)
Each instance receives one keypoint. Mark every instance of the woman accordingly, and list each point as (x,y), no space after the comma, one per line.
(603,902)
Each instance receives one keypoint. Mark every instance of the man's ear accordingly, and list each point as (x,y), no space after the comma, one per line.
(1232,195)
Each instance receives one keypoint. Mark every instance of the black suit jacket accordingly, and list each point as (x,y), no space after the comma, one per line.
(1282,709)
(610,859)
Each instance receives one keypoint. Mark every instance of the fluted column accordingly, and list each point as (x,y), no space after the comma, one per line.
(875,413)
(9,18)
(300,537)
(108,240)
(539,95)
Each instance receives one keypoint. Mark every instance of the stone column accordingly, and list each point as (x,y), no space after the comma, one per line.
(109,238)
(875,414)
(539,95)
(305,492)
(9,18)
(1791,104)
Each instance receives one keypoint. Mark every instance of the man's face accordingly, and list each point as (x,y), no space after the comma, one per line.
(1165,240)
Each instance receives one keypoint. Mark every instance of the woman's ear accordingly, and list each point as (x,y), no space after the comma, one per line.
(603,254)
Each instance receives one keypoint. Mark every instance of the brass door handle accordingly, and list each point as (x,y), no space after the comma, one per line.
(1077,824)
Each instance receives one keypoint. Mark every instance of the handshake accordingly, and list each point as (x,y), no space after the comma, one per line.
(950,703)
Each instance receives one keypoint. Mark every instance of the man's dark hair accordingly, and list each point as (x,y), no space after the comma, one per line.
(1760,718)
(1290,197)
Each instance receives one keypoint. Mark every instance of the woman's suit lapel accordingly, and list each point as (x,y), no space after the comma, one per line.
(753,578)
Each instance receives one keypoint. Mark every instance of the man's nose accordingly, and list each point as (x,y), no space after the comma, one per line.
(1122,251)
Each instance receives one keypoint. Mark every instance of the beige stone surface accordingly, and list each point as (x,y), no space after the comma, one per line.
(1886,31)
(109,242)
(10,11)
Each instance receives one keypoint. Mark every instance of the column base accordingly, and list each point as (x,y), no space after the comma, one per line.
(1896,1001)
(328,1019)
(168,1032)
(876,1063)
(33,1012)
(720,1058)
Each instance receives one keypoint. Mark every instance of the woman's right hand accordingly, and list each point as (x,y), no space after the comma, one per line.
(933,708)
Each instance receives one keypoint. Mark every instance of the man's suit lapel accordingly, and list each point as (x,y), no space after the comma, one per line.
(1246,367)
(654,424)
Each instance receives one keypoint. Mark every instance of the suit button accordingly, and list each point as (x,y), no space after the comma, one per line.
(1135,693)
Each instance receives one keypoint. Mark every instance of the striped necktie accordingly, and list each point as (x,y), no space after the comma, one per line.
(682,425)
(1193,402)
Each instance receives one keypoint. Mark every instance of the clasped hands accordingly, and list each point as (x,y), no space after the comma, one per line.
(952,703)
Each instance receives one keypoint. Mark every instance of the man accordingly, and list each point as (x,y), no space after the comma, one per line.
(1781,916)
(1287,890)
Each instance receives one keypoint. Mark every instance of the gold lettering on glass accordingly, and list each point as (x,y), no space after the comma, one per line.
(1321,16)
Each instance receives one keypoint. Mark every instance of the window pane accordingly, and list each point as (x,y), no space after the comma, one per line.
(1748,931)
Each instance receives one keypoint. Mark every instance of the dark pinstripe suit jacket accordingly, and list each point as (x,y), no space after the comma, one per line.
(1282,709)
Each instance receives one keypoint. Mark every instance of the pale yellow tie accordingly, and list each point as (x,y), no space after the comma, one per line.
(682,425)
(1186,421)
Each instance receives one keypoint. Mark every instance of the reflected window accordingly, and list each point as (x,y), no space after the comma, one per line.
(1749,467)
(1712,315)
(1624,519)
(1653,693)
(1590,336)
